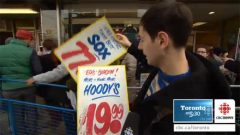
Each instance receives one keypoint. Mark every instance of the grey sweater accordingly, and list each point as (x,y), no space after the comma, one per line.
(51,76)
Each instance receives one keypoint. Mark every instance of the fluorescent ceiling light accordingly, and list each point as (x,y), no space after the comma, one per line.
(211,13)
(198,24)
(17,11)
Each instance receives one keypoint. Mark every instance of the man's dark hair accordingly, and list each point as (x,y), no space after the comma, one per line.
(218,51)
(173,18)
(49,44)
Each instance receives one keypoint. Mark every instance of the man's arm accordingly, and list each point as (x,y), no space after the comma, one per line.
(132,47)
(51,76)
(138,54)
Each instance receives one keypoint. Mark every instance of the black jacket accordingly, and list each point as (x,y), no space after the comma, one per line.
(205,82)
(53,95)
(48,62)
(234,66)
(142,65)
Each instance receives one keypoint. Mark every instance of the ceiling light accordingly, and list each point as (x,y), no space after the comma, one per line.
(211,13)
(198,24)
(17,11)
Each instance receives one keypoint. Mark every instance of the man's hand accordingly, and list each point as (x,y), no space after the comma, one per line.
(122,39)
(30,81)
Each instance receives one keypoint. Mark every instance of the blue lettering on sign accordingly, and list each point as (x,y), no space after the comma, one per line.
(87,79)
(107,30)
(115,90)
(102,34)
(98,46)
(101,79)
(116,43)
(109,44)
(102,89)
(110,79)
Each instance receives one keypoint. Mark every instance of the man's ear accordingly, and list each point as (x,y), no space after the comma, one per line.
(163,39)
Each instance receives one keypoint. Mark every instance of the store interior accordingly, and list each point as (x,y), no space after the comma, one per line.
(216,23)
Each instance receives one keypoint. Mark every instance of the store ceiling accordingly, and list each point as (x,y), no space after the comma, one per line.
(200,11)
(224,9)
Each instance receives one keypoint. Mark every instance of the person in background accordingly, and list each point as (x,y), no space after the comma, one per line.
(234,66)
(53,96)
(225,54)
(215,56)
(8,40)
(131,64)
(219,57)
(48,59)
(51,76)
(19,62)
(40,51)
(202,51)
(54,75)
(47,47)
(53,72)
(164,30)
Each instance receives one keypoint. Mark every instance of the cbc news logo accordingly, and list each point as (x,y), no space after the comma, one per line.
(224,111)
(224,108)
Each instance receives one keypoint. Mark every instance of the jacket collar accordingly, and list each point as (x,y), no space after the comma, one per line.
(18,42)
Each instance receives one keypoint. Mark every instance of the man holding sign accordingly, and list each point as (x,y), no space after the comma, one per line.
(163,31)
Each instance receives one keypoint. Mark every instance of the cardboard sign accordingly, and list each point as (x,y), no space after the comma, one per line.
(96,45)
(102,105)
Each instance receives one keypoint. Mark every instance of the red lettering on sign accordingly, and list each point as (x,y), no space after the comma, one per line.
(104,118)
(83,50)
(90,117)
(108,117)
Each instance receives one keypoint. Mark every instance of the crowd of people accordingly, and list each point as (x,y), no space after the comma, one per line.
(220,58)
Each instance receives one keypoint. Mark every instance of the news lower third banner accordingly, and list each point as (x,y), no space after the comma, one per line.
(204,115)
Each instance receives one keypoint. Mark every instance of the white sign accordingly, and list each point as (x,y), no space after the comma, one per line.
(224,111)
(102,105)
(95,45)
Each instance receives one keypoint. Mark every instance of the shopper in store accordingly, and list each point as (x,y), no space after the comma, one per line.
(19,62)
(202,51)
(234,66)
(53,96)
(8,40)
(163,31)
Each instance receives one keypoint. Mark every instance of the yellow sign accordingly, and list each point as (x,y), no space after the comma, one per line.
(95,45)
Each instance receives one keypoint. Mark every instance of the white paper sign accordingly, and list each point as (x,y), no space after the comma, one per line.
(102,105)
(96,45)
